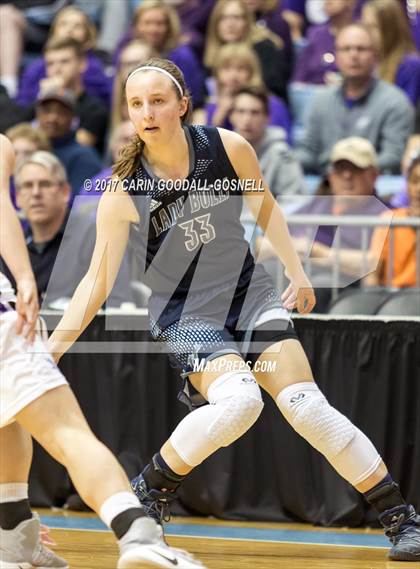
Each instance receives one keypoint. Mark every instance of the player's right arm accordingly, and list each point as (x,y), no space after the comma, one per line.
(13,248)
(115,213)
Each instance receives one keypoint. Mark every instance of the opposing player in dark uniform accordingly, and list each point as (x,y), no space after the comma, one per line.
(180,193)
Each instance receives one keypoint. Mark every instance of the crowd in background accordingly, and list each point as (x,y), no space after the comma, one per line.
(298,79)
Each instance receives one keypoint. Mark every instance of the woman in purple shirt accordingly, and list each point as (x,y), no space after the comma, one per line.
(69,22)
(399,63)
(236,66)
(317,60)
(158,24)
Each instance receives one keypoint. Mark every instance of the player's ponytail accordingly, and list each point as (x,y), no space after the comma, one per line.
(128,158)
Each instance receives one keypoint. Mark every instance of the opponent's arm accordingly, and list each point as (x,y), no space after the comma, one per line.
(115,213)
(270,218)
(13,247)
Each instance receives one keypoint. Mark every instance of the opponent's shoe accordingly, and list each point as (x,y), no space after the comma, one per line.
(155,502)
(21,548)
(142,547)
(402,527)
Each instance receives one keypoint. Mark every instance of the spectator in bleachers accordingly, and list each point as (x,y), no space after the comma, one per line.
(268,13)
(26,140)
(43,195)
(348,189)
(398,61)
(88,198)
(400,199)
(250,117)
(404,239)
(300,14)
(236,66)
(65,64)
(194,15)
(362,106)
(316,63)
(232,22)
(55,112)
(71,22)
(132,55)
(413,14)
(157,23)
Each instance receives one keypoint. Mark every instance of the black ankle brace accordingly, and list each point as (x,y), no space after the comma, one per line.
(158,475)
(385,495)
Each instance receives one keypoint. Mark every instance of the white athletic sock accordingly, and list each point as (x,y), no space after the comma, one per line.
(13,492)
(116,504)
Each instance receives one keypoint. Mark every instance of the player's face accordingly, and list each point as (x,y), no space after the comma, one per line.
(64,63)
(355,54)
(347,179)
(152,27)
(40,196)
(54,118)
(71,25)
(414,190)
(232,23)
(249,118)
(231,77)
(153,106)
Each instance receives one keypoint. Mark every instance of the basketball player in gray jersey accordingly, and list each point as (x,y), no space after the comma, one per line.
(205,310)
(36,400)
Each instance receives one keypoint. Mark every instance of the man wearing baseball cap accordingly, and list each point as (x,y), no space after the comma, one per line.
(347,189)
(55,112)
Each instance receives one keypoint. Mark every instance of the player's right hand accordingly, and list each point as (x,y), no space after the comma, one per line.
(27,308)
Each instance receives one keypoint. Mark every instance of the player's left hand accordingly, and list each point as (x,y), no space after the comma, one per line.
(27,308)
(299,294)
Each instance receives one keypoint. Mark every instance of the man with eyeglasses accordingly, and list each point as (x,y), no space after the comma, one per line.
(361,106)
(60,245)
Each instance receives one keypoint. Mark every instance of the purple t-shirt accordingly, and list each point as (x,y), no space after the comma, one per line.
(95,81)
(414,20)
(408,76)
(318,57)
(279,115)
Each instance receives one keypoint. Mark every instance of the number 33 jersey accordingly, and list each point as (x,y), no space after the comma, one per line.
(190,239)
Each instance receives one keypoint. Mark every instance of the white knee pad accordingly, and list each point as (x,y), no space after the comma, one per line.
(235,404)
(348,450)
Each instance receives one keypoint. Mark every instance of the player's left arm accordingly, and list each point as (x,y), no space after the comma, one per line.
(270,218)
(13,248)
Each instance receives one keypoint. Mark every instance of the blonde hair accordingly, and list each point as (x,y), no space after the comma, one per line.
(118,98)
(48,161)
(239,54)
(252,34)
(172,19)
(130,154)
(91,32)
(396,40)
(27,131)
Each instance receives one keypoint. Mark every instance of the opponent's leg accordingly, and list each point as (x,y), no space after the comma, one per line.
(19,528)
(57,423)
(234,405)
(347,449)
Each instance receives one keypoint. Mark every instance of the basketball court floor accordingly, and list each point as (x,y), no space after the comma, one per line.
(85,542)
